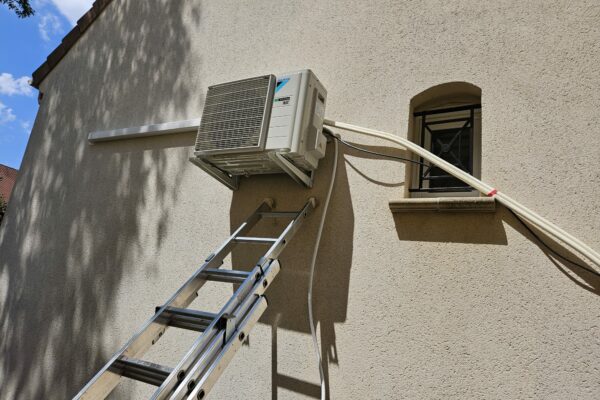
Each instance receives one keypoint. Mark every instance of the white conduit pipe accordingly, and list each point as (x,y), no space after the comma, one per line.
(313,262)
(483,187)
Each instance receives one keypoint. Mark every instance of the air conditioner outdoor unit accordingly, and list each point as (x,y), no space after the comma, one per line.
(263,125)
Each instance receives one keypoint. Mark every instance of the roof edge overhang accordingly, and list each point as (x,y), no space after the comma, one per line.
(68,42)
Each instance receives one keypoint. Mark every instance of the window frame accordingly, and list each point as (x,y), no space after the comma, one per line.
(419,187)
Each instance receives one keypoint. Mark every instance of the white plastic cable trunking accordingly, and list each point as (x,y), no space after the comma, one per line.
(188,125)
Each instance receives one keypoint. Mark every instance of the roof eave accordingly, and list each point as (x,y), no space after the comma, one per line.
(68,42)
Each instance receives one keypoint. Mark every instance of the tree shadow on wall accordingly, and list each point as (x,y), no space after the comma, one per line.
(74,229)
(288,294)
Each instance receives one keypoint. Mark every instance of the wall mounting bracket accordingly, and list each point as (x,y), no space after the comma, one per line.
(294,172)
(231,181)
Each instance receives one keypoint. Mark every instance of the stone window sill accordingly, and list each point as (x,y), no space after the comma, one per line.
(444,204)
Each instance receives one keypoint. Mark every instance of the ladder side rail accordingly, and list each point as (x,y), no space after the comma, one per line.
(289,232)
(215,259)
(266,260)
(250,286)
(241,311)
(105,380)
(215,369)
(204,339)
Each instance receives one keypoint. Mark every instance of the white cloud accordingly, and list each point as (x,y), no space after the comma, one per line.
(6,114)
(26,125)
(49,25)
(10,85)
(73,9)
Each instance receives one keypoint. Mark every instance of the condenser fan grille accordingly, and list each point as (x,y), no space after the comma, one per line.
(236,116)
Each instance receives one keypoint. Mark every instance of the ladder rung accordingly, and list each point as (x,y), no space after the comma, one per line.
(257,240)
(224,275)
(141,370)
(191,313)
(190,325)
(187,319)
(279,214)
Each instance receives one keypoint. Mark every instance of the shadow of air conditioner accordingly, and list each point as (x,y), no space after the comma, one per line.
(288,295)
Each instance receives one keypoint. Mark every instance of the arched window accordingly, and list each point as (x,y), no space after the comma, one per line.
(446,120)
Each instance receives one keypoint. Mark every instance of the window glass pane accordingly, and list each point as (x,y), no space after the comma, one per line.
(454,146)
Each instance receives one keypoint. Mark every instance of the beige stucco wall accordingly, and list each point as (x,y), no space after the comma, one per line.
(418,306)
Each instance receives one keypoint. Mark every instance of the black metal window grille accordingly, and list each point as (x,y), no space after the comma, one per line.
(449,134)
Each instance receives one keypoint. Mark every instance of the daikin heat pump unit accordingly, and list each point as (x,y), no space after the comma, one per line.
(263,125)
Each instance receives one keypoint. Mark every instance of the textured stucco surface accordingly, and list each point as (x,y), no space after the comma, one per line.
(412,306)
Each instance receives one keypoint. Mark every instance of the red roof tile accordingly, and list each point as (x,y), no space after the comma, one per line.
(8,176)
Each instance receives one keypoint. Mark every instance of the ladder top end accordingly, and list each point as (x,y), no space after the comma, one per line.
(269,201)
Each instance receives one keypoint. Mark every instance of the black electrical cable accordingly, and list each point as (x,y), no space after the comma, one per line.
(328,132)
(551,250)
(535,235)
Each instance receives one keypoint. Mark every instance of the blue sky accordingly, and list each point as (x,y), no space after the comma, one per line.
(24,46)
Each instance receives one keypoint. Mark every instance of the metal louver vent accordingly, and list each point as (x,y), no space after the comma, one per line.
(236,116)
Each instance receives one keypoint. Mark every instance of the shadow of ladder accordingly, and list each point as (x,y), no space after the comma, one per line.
(290,383)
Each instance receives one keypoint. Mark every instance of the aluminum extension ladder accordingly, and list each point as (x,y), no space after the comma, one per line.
(222,334)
